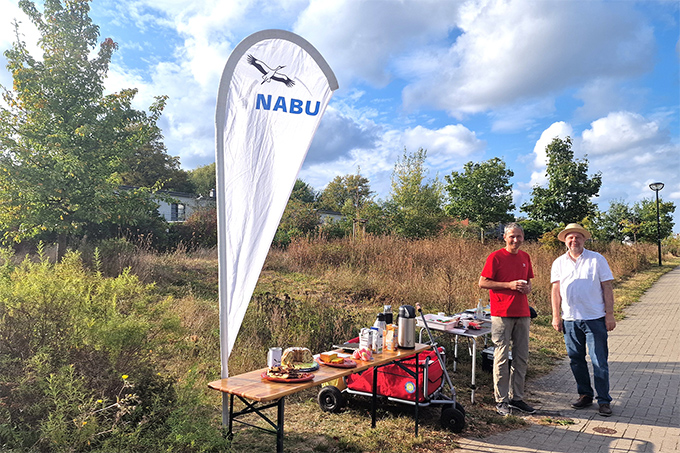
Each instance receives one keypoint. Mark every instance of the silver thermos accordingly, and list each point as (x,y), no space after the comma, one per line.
(406,335)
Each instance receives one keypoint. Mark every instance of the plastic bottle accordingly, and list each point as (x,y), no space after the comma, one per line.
(479,314)
(380,322)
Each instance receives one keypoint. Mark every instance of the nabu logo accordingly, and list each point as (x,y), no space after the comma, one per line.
(264,102)
(269,74)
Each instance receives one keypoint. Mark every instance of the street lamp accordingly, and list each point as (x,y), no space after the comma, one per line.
(656,186)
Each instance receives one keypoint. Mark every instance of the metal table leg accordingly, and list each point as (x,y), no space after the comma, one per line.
(256,408)
(374,397)
(279,427)
(455,354)
(474,367)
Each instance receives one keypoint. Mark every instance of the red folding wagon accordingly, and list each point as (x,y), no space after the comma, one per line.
(397,382)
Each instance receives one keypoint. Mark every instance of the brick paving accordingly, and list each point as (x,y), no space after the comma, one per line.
(644,368)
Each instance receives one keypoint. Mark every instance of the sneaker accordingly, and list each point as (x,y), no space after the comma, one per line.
(521,406)
(605,410)
(582,402)
(502,409)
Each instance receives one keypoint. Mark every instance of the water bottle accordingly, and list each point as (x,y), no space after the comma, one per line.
(380,322)
(479,314)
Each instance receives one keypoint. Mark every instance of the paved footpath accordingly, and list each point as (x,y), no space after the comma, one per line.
(644,369)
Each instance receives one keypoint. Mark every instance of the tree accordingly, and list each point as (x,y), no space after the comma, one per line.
(636,223)
(203,179)
(568,196)
(645,211)
(63,143)
(346,194)
(482,193)
(414,207)
(303,192)
(615,224)
(151,166)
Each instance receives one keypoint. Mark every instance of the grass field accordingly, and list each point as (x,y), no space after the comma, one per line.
(317,293)
(71,330)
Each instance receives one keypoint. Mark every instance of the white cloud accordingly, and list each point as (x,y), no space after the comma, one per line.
(361,37)
(559,129)
(619,132)
(510,50)
(447,147)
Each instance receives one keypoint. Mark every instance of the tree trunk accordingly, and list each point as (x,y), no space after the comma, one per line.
(61,247)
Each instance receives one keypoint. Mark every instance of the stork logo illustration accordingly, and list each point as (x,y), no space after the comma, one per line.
(269,74)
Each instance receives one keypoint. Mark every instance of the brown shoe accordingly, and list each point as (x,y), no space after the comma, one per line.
(582,402)
(605,410)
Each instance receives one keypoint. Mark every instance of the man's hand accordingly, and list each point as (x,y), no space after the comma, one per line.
(610,321)
(557,323)
(522,286)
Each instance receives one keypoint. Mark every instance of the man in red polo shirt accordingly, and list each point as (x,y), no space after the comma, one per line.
(507,275)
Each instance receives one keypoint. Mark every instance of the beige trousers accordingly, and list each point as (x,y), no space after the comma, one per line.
(507,334)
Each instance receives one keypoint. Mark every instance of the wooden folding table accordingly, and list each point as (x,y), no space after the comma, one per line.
(258,394)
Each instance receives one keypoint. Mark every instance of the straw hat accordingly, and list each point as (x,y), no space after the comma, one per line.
(573,228)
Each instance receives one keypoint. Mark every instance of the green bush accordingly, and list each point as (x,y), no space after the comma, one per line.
(198,231)
(80,361)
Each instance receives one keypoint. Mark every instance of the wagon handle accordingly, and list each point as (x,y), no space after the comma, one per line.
(436,349)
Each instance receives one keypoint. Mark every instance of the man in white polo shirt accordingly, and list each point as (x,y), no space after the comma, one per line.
(583,309)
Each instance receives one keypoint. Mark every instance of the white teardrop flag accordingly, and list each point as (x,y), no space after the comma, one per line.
(274,90)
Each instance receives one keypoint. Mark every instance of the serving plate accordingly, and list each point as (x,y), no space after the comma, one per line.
(305,377)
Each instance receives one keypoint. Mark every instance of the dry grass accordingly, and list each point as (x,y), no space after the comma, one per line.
(320,292)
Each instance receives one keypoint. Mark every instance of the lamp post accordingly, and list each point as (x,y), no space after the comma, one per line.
(656,186)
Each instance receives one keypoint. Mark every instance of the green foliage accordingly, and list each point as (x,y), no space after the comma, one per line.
(568,196)
(299,217)
(414,208)
(151,166)
(203,179)
(197,231)
(76,352)
(303,192)
(346,194)
(645,210)
(64,142)
(637,223)
(534,229)
(482,193)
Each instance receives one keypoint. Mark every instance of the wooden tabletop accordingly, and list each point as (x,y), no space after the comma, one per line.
(251,385)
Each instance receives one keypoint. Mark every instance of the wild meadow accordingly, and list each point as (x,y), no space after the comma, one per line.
(111,348)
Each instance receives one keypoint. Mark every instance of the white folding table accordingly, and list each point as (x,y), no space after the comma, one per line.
(470,334)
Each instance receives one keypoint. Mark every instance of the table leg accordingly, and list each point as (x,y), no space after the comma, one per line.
(474,367)
(455,354)
(279,426)
(374,401)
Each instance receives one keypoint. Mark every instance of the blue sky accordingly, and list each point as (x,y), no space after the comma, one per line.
(465,80)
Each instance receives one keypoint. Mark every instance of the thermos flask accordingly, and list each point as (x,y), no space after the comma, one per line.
(406,334)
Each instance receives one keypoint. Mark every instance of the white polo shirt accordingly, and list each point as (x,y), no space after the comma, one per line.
(580,284)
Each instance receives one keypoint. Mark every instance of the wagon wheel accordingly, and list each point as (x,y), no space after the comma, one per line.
(453,419)
(331,399)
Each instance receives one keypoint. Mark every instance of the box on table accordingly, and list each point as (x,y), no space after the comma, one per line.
(442,322)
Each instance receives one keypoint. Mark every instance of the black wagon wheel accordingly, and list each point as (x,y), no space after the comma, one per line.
(453,419)
(330,399)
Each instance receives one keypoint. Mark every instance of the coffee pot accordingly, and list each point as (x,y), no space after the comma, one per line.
(406,334)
